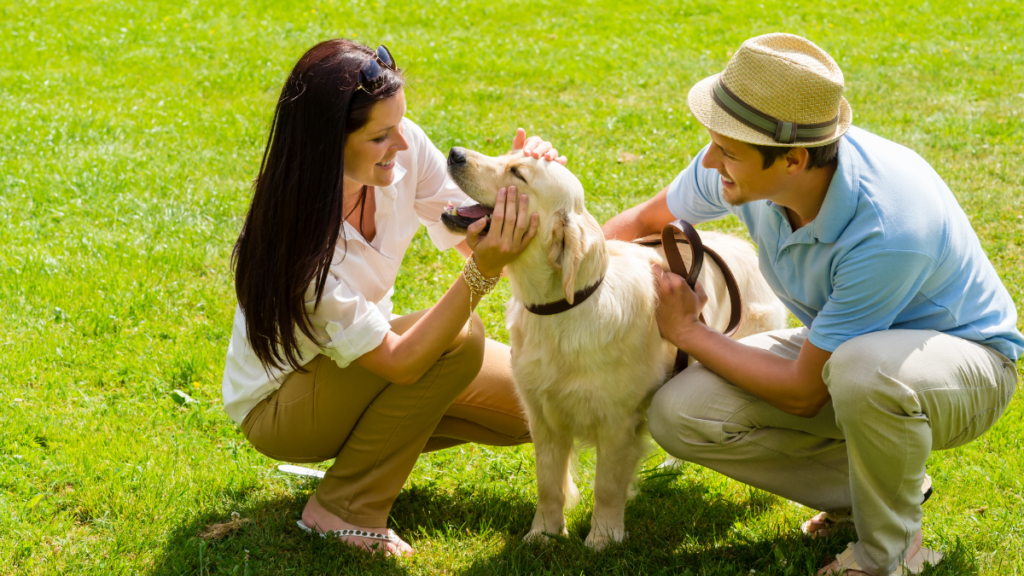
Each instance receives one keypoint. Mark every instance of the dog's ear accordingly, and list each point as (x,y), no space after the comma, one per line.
(565,253)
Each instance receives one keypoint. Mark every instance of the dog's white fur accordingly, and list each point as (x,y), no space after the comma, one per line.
(589,373)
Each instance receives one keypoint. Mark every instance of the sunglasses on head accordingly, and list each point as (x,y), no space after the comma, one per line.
(371,75)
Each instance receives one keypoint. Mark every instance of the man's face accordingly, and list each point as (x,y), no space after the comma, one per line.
(742,171)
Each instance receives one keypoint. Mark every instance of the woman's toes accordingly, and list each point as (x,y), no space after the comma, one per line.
(399,547)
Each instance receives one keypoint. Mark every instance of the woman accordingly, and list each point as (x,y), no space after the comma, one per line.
(317,368)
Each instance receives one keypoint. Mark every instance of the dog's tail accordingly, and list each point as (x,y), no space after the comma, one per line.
(572,493)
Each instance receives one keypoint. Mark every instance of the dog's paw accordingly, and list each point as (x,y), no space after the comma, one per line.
(537,537)
(601,537)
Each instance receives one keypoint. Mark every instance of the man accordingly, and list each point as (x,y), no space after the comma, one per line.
(911,338)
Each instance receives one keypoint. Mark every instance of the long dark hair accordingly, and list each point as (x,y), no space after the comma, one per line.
(293,224)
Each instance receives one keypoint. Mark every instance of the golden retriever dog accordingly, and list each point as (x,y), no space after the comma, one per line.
(589,373)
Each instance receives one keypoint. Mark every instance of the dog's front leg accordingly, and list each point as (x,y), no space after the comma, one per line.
(618,454)
(554,485)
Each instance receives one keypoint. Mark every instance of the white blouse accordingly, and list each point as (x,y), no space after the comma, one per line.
(354,313)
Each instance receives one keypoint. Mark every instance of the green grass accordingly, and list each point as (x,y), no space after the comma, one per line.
(131,132)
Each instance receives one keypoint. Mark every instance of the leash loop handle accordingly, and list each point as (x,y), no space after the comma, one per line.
(675,259)
(669,241)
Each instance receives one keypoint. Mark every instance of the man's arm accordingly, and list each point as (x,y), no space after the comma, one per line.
(793,386)
(641,220)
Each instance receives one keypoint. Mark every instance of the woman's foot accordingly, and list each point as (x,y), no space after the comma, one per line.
(322,520)
(833,568)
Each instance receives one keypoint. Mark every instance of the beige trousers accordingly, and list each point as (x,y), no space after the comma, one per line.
(375,430)
(896,396)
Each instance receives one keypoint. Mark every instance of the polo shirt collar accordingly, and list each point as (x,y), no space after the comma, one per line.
(840,200)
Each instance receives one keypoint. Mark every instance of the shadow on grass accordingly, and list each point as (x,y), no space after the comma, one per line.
(678,528)
(674,528)
(270,543)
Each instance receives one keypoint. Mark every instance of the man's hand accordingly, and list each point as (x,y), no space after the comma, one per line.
(678,306)
(536,147)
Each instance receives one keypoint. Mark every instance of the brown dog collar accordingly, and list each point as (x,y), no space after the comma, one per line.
(551,308)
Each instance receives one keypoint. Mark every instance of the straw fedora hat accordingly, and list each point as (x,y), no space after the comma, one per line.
(777,90)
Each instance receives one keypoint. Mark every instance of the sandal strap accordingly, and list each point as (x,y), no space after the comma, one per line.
(837,517)
(389,537)
(847,561)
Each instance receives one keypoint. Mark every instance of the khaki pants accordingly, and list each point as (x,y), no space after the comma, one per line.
(374,429)
(896,396)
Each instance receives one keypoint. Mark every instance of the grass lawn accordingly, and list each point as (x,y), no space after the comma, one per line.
(131,133)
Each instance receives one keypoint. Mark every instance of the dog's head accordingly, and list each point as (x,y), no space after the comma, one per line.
(555,194)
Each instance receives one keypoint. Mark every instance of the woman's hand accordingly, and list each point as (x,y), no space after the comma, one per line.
(678,306)
(536,147)
(512,228)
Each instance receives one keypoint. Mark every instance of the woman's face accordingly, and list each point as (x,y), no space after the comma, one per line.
(370,151)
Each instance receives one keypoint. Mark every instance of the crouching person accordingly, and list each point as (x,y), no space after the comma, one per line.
(318,368)
(910,341)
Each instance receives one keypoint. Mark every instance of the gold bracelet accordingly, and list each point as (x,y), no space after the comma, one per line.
(479,285)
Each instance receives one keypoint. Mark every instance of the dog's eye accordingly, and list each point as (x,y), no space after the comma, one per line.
(516,173)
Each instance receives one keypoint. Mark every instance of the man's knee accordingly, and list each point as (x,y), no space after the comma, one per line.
(676,418)
(861,379)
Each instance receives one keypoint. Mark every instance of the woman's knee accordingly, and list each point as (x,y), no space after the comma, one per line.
(461,361)
(468,340)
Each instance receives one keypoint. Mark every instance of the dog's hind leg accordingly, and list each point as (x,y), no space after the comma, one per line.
(555,488)
(618,454)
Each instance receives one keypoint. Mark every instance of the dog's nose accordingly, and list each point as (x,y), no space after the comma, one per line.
(456,156)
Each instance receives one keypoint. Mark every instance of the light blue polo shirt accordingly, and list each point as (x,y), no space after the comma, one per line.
(890,249)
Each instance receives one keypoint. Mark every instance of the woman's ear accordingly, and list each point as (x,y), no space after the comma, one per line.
(565,252)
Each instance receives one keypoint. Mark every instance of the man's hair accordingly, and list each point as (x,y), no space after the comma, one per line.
(817,157)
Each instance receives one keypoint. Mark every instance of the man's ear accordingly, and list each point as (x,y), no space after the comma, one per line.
(796,160)
(565,253)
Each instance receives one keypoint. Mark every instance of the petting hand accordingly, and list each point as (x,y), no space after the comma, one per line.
(512,228)
(678,306)
(536,147)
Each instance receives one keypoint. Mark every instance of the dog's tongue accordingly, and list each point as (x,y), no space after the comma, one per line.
(474,211)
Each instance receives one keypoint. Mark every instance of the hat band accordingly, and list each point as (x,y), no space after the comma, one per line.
(779,130)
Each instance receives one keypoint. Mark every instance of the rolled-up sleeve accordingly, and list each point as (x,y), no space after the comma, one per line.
(861,302)
(434,190)
(696,193)
(353,325)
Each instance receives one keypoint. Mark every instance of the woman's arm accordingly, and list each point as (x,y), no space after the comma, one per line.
(403,359)
(464,249)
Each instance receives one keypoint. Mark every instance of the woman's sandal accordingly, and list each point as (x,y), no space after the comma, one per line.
(384,538)
(832,521)
(911,567)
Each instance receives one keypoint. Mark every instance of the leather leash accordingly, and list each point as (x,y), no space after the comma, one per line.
(668,239)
